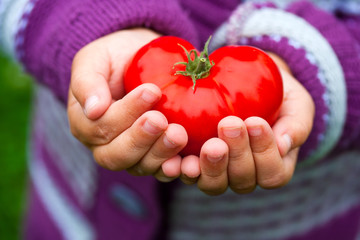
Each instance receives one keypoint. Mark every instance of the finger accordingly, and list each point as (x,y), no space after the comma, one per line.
(270,169)
(89,81)
(167,146)
(170,169)
(190,169)
(119,116)
(296,117)
(130,146)
(241,166)
(213,164)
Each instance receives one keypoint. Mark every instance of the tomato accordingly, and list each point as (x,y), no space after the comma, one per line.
(234,80)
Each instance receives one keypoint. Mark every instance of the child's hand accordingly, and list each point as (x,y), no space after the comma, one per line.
(120,130)
(250,153)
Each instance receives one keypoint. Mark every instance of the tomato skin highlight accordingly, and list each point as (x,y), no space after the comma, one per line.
(244,81)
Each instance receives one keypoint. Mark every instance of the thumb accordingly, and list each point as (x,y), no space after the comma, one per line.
(89,82)
(296,117)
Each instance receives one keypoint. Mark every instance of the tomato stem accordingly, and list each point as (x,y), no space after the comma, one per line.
(197,67)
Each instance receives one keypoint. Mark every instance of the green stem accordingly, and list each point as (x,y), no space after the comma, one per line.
(199,67)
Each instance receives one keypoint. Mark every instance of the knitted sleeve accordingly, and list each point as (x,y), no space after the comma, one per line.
(323,55)
(45,35)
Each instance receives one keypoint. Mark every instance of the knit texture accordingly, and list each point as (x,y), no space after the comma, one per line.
(11,12)
(302,209)
(47,54)
(72,198)
(322,64)
(347,50)
(316,200)
(70,184)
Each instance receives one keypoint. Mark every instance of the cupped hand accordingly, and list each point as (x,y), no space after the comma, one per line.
(121,130)
(250,153)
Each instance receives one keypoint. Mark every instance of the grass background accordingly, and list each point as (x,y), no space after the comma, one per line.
(15,105)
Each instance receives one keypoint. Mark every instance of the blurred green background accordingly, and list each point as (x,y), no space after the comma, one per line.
(15,105)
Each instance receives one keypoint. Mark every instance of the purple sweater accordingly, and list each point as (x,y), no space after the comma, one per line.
(71,197)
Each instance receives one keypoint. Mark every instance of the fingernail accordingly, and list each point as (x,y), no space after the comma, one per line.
(231,132)
(148,96)
(168,142)
(255,131)
(151,128)
(90,103)
(215,159)
(287,140)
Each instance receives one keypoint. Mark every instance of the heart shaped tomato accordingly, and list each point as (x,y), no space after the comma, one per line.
(199,90)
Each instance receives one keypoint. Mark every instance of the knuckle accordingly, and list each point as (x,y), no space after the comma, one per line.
(131,111)
(102,157)
(262,147)
(135,144)
(101,134)
(243,188)
(98,135)
(214,175)
(265,153)
(213,187)
(155,157)
(275,181)
(214,191)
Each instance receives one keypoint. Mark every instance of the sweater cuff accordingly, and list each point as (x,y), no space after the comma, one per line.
(344,40)
(55,30)
(311,58)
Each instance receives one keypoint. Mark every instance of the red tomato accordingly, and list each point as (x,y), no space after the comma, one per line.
(242,81)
